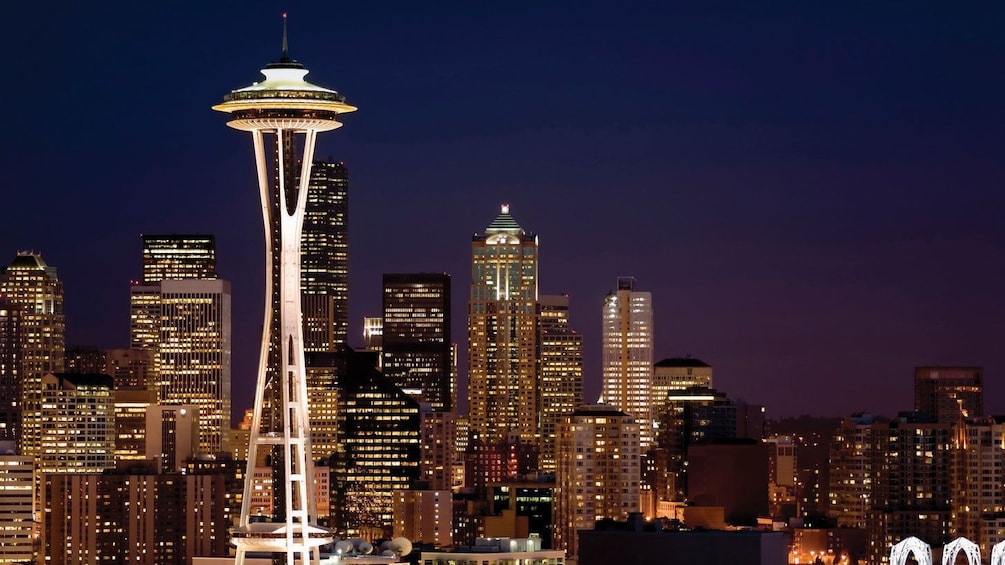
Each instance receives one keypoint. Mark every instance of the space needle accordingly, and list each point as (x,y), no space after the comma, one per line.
(287,112)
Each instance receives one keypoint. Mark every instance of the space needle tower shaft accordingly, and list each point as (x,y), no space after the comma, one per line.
(285,109)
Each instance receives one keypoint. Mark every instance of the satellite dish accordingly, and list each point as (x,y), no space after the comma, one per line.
(365,548)
(388,553)
(401,545)
(344,546)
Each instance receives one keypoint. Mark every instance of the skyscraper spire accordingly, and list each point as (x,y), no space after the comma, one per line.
(286,48)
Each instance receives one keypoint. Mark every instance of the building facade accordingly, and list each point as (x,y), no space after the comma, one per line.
(949,394)
(17,505)
(502,332)
(598,471)
(628,354)
(195,353)
(32,286)
(178,256)
(324,258)
(560,373)
(416,342)
(10,372)
(78,423)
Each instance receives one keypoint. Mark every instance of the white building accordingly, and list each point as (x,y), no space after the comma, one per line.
(628,354)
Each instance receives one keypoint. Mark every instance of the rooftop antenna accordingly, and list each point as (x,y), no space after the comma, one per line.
(286,56)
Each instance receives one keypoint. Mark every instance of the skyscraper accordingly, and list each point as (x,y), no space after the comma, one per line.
(949,394)
(289,109)
(324,258)
(178,256)
(598,471)
(78,434)
(628,354)
(33,287)
(561,371)
(416,337)
(502,332)
(195,353)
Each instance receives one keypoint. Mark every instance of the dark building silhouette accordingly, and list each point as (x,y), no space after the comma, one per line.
(732,474)
(949,394)
(416,337)
(10,371)
(378,444)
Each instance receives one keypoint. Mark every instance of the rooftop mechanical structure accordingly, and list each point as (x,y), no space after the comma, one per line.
(285,108)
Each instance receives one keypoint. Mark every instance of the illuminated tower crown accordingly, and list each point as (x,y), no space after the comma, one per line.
(283,105)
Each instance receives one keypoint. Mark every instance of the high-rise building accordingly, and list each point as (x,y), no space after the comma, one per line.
(10,372)
(911,492)
(133,516)
(195,353)
(502,332)
(978,481)
(78,423)
(416,337)
(423,515)
(949,394)
(178,256)
(598,471)
(560,381)
(286,109)
(628,354)
(324,258)
(16,505)
(174,257)
(853,470)
(131,408)
(373,335)
(172,435)
(378,447)
(676,374)
(132,369)
(84,359)
(32,286)
(438,449)
(322,390)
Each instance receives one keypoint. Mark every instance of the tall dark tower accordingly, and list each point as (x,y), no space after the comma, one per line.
(416,339)
(324,258)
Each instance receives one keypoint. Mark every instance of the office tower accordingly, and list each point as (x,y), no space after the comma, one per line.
(686,418)
(131,408)
(373,335)
(502,332)
(33,287)
(911,492)
(10,372)
(282,107)
(438,449)
(416,337)
(78,430)
(598,471)
(322,391)
(978,481)
(172,435)
(84,359)
(324,258)
(628,354)
(178,256)
(561,371)
(232,470)
(195,353)
(16,504)
(676,374)
(949,394)
(508,460)
(521,509)
(133,516)
(378,447)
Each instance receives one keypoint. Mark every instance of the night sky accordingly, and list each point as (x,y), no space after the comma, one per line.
(811,191)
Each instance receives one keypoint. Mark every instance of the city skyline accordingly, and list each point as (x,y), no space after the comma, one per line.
(807,194)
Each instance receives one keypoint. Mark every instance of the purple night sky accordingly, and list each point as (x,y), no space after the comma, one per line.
(813,192)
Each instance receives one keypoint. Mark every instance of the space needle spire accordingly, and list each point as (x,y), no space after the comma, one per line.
(284,114)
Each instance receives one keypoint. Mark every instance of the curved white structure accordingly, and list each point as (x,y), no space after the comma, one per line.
(283,106)
(953,548)
(998,553)
(921,550)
